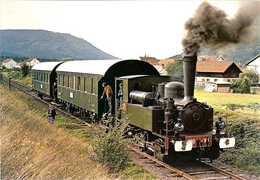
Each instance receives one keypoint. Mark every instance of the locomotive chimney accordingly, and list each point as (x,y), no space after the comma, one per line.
(189,71)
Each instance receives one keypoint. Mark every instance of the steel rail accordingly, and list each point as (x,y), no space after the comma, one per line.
(223,172)
(177,171)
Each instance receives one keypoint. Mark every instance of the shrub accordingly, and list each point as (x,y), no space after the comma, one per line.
(111,148)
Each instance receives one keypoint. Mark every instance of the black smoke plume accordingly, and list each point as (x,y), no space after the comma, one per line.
(210,27)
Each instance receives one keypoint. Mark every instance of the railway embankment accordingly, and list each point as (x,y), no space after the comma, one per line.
(31,148)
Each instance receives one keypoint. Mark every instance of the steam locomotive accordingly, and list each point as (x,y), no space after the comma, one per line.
(163,114)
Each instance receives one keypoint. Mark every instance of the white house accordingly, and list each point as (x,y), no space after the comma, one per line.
(19,65)
(254,64)
(32,61)
(9,63)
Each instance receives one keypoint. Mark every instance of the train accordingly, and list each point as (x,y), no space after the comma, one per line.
(163,115)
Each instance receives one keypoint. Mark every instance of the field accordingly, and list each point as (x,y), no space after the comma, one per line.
(242,113)
(31,148)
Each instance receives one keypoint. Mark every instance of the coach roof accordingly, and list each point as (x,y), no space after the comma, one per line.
(45,66)
(111,68)
(87,66)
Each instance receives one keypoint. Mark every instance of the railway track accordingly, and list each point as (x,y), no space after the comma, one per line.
(185,170)
(188,170)
(45,101)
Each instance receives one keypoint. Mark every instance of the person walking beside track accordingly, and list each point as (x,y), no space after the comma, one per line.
(51,114)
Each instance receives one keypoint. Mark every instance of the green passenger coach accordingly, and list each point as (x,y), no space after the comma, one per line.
(43,77)
(80,82)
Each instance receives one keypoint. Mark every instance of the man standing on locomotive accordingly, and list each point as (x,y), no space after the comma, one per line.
(120,94)
(109,92)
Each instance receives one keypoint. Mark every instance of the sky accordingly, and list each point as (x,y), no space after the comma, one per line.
(125,29)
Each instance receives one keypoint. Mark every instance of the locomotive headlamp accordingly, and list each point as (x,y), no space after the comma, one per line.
(179,126)
(220,124)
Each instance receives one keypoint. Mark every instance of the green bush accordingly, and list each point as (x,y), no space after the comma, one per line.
(111,148)
(246,154)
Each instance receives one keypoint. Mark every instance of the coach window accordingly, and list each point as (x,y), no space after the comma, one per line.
(78,83)
(85,85)
(63,80)
(47,78)
(59,80)
(44,77)
(40,76)
(68,81)
(74,82)
(93,86)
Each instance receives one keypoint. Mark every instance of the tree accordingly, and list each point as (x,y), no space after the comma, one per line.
(175,69)
(25,70)
(241,85)
(66,59)
(251,74)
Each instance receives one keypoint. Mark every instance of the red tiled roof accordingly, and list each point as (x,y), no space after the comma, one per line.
(7,60)
(165,62)
(211,58)
(213,66)
(30,59)
(151,60)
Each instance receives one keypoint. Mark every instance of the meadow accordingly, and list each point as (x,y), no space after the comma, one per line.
(242,114)
(31,148)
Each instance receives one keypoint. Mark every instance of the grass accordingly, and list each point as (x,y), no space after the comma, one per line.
(31,148)
(243,114)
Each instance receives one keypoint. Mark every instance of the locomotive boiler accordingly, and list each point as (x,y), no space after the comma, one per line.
(166,119)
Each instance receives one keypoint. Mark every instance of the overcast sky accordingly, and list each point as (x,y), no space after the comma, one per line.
(125,29)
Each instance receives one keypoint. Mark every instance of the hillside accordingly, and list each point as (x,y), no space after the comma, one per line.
(240,53)
(47,45)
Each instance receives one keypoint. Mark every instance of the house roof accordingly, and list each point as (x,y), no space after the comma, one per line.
(19,64)
(211,58)
(213,66)
(165,62)
(151,60)
(30,59)
(7,60)
(253,59)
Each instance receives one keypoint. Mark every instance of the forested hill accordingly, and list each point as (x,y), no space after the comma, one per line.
(47,45)
(240,53)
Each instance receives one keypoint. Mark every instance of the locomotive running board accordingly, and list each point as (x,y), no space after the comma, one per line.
(180,146)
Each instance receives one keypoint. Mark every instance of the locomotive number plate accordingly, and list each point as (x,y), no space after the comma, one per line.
(200,141)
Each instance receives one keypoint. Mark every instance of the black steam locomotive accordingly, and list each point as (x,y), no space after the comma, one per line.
(167,120)
(164,117)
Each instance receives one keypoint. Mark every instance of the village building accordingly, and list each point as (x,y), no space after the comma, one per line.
(32,61)
(254,64)
(216,74)
(19,65)
(211,58)
(155,62)
(9,63)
